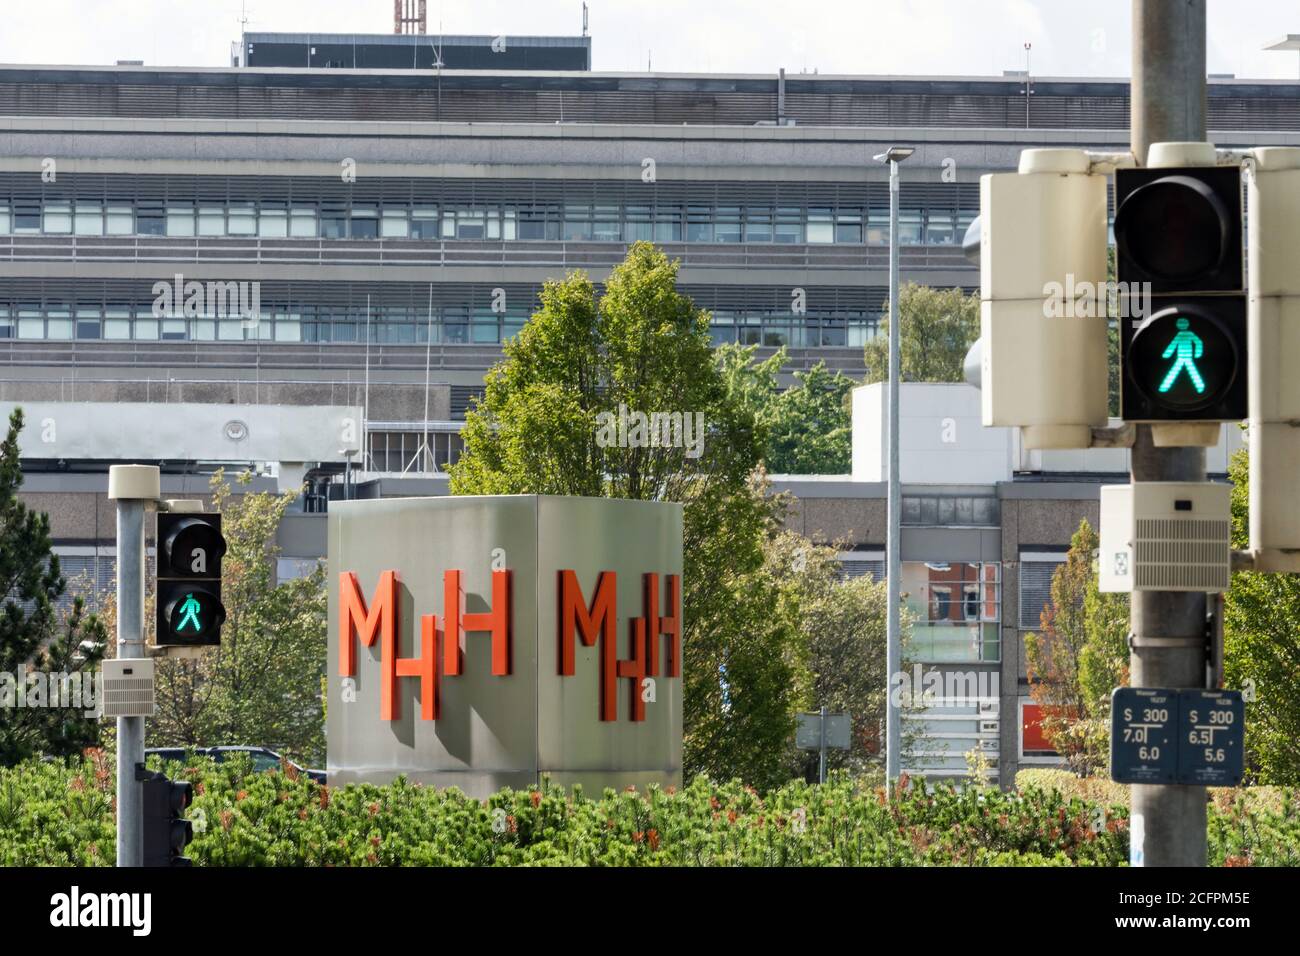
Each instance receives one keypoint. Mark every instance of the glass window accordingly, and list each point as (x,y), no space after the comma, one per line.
(606,226)
(118,220)
(58,218)
(88,324)
(508,225)
(212,221)
(395,224)
(577,223)
(288,328)
(150,220)
(302,222)
(848,226)
(909,227)
(89,220)
(273,221)
(232,330)
(726,226)
(424,222)
(27,216)
(758,224)
(4,221)
(242,220)
(365,222)
(668,225)
(147,327)
(31,324)
(6,325)
(957,609)
(201,330)
(180,220)
(59,324)
(789,225)
(333,221)
(117,324)
(878,227)
(821,225)
(172,330)
(699,224)
(639,225)
(939,228)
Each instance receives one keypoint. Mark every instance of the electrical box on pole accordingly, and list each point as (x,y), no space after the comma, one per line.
(1043,314)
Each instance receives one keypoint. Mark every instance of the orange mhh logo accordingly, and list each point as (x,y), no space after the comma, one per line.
(442,647)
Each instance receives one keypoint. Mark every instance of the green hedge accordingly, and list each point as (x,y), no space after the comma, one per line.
(60,814)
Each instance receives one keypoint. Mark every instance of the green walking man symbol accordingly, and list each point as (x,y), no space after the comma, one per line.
(190,612)
(1185,348)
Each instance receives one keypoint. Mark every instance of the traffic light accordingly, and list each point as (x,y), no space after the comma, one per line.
(1274,328)
(188,593)
(166,831)
(1042,306)
(1178,242)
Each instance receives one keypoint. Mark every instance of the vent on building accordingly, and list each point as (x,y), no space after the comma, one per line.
(462,399)
(128,688)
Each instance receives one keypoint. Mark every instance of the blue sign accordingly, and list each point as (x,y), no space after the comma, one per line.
(1143,741)
(1193,737)
(1211,737)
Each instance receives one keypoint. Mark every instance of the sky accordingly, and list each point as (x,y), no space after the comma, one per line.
(954,37)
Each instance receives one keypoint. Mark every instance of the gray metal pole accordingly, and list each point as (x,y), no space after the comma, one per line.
(821,763)
(893,543)
(130,645)
(1168,642)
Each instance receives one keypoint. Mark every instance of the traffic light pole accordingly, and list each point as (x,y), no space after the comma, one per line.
(131,486)
(1167,646)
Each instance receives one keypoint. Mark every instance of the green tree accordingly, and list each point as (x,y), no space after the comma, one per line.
(31,632)
(1262,647)
(808,426)
(262,685)
(939,327)
(1080,655)
(548,423)
(839,658)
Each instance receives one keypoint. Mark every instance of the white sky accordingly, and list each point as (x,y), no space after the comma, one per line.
(982,37)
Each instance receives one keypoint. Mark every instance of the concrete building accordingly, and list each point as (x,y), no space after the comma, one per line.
(319,235)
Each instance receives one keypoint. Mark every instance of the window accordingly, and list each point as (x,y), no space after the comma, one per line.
(639,224)
(956,608)
(1034,745)
(726,226)
(939,229)
(577,223)
(758,224)
(6,325)
(395,224)
(909,227)
(27,216)
(59,324)
(789,225)
(273,221)
(117,323)
(365,222)
(848,226)
(58,218)
(242,220)
(88,326)
(302,222)
(333,221)
(180,220)
(821,225)
(1036,570)
(668,225)
(424,222)
(4,221)
(31,324)
(118,220)
(147,327)
(150,220)
(606,225)
(89,220)
(212,221)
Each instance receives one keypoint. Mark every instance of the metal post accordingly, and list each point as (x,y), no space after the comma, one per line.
(1168,628)
(893,542)
(821,762)
(131,486)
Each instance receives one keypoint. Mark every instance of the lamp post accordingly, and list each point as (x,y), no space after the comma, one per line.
(893,544)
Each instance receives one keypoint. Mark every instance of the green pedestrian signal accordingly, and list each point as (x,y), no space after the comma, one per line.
(1186,348)
(188,595)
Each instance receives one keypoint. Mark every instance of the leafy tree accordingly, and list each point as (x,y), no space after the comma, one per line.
(544,427)
(808,425)
(1262,647)
(839,659)
(939,327)
(1080,655)
(262,685)
(31,633)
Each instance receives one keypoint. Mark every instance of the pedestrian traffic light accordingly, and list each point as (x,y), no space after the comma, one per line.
(188,592)
(1042,298)
(1178,240)
(166,831)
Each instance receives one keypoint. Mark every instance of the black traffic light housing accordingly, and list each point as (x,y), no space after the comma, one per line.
(188,593)
(1184,357)
(166,831)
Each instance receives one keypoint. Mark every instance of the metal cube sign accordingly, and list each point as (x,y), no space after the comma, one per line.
(481,642)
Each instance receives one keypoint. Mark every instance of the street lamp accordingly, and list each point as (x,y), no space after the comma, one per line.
(894,543)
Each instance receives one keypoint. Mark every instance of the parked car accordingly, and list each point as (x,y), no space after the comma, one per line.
(263,758)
